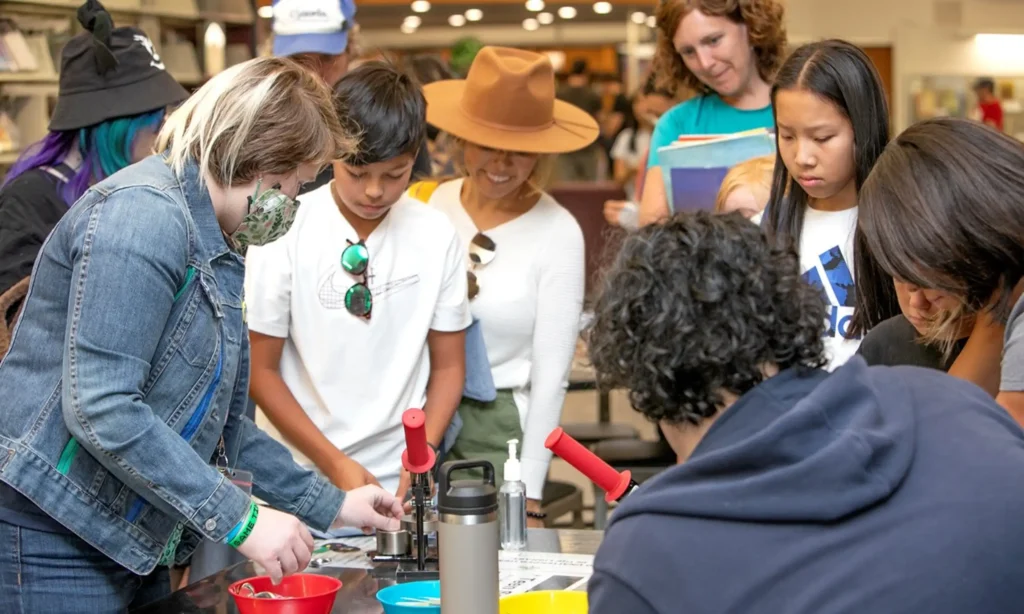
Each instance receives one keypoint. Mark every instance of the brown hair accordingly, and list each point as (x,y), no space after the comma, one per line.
(267,115)
(941,210)
(754,173)
(765,29)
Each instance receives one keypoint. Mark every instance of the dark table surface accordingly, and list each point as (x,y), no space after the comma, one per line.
(359,586)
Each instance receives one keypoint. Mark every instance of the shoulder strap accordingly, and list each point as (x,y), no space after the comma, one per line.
(56,172)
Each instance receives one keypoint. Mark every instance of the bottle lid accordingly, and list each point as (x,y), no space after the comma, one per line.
(466,497)
(513,471)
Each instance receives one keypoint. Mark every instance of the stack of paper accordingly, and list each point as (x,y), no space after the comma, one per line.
(693,167)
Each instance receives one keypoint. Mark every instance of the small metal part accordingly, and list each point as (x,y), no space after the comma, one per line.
(429,523)
(393,543)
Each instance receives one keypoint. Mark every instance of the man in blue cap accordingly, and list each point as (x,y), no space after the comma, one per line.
(318,35)
(315,33)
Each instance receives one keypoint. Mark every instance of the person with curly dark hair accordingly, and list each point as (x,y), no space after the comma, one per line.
(798,491)
(727,51)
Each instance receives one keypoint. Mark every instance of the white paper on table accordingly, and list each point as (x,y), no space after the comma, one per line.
(514,582)
(522,572)
(352,560)
(549,561)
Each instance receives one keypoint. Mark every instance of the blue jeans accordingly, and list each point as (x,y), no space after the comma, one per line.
(59,572)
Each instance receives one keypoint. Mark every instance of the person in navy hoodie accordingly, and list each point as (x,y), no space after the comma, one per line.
(871,489)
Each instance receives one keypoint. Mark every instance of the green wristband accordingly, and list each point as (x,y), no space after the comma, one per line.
(250,523)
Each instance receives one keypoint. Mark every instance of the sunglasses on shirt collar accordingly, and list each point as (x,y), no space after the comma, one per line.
(481,252)
(356,261)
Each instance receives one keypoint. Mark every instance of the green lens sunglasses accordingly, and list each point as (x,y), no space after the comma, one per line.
(356,261)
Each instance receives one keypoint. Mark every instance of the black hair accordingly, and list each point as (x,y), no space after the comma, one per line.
(985,83)
(698,305)
(942,210)
(386,108)
(842,74)
(651,87)
(579,67)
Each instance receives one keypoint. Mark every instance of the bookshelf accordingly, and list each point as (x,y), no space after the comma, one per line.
(195,38)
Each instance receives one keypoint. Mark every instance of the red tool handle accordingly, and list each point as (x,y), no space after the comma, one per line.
(418,456)
(612,482)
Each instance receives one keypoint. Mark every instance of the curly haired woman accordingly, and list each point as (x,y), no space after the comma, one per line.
(726,50)
(798,491)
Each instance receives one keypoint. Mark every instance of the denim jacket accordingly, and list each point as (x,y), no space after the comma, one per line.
(129,368)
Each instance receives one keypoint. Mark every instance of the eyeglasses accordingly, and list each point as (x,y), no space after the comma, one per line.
(356,261)
(481,252)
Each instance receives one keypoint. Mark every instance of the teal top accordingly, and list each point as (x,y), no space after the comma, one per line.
(706,114)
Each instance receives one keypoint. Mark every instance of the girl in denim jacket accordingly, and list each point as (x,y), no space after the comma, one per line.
(124,390)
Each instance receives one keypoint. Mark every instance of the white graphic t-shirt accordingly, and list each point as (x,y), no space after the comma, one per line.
(826,260)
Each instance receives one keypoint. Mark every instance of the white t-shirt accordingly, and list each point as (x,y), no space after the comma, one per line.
(529,305)
(826,259)
(355,377)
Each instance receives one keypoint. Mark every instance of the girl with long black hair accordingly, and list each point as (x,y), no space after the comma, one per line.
(832,123)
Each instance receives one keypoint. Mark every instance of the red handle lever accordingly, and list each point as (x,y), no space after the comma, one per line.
(418,456)
(613,483)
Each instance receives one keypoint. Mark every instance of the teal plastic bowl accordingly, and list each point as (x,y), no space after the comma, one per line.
(391,596)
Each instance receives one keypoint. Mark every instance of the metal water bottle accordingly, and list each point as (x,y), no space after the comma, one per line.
(468,540)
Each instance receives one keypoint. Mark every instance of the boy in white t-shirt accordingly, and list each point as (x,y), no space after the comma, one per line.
(359,312)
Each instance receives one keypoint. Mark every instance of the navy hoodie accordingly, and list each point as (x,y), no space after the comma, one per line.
(882,490)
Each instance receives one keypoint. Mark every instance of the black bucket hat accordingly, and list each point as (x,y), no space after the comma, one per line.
(109,72)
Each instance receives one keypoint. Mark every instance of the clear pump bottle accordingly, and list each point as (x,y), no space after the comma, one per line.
(512,503)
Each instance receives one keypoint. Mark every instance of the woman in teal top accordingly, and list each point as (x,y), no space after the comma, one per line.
(728,51)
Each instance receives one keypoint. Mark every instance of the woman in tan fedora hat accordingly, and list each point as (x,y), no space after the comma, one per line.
(525,250)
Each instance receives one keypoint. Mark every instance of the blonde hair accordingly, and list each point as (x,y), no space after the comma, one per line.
(264,116)
(944,330)
(538,181)
(754,173)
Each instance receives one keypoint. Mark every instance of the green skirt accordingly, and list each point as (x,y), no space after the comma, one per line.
(486,429)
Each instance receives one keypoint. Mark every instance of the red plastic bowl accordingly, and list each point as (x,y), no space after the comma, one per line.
(304,594)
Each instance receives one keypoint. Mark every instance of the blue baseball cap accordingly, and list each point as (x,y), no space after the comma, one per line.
(312,26)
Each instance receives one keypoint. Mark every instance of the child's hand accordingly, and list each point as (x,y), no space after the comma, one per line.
(612,208)
(350,475)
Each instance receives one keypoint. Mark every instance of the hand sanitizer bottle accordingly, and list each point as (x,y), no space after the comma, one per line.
(512,503)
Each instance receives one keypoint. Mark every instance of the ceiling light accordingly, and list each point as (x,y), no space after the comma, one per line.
(407,28)
(474,14)
(420,6)
(651,21)
(602,8)
(266,12)
(638,17)
(567,12)
(456,21)
(545,18)
(412,21)
(535,5)
(530,24)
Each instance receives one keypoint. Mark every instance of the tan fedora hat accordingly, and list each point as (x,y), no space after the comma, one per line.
(508,102)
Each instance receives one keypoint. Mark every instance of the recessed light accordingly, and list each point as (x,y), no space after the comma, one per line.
(602,8)
(535,5)
(530,24)
(545,18)
(407,28)
(474,14)
(567,12)
(456,21)
(652,22)
(638,17)
(266,12)
(420,6)
(412,21)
